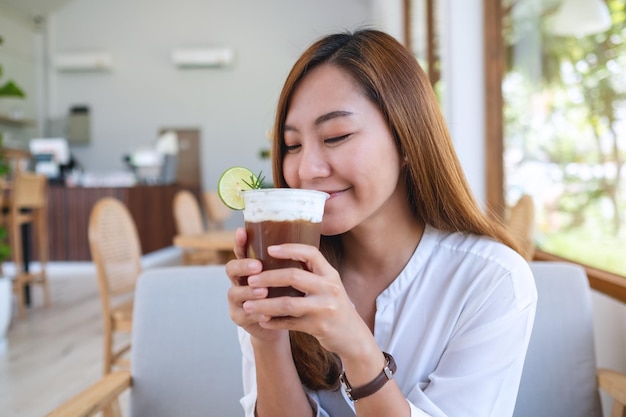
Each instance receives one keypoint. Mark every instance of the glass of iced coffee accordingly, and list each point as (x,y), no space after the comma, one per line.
(282,215)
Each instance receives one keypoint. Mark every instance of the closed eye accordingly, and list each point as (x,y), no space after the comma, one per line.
(331,141)
(292,148)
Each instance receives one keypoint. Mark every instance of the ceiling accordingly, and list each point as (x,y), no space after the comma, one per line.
(34,8)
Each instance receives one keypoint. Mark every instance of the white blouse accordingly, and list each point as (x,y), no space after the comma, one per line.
(457,320)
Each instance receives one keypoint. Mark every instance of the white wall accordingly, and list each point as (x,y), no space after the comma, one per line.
(388,16)
(234,107)
(19,62)
(464,86)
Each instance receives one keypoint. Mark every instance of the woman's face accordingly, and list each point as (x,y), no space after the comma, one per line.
(337,141)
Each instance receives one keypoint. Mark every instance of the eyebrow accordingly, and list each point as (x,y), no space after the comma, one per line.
(323,118)
(332,115)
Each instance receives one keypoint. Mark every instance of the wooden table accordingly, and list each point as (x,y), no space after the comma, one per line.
(221,241)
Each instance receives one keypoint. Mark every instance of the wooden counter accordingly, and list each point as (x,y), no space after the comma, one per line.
(69,210)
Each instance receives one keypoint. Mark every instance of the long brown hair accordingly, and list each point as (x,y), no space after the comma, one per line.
(438,193)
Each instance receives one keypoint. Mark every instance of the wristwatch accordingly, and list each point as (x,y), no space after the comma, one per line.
(374,385)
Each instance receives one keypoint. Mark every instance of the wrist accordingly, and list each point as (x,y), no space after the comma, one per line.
(363,362)
(356,392)
(278,342)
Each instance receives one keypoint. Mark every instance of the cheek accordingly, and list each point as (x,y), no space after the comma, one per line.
(380,165)
(290,170)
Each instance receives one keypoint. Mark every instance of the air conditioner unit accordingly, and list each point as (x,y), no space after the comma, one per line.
(202,57)
(83,61)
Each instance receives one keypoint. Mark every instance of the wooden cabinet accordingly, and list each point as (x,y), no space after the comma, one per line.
(69,210)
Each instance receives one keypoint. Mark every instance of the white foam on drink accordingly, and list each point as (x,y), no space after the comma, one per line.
(283,204)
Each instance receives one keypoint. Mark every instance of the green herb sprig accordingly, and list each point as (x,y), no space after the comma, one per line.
(255,183)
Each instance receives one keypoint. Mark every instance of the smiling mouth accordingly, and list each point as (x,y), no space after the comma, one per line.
(335,193)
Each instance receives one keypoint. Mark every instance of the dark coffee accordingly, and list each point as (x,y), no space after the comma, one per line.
(268,233)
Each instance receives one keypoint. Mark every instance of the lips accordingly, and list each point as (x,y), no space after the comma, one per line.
(334,193)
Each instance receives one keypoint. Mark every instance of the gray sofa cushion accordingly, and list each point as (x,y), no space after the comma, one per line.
(185,354)
(559,376)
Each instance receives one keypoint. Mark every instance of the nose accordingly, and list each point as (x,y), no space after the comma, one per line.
(313,164)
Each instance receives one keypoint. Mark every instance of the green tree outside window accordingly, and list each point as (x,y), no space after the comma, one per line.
(565,132)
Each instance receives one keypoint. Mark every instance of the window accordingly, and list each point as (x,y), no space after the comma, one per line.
(556,110)
(423,37)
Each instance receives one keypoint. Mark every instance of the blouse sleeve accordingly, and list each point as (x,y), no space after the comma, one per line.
(248,401)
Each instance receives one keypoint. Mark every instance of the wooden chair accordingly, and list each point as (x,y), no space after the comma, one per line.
(189,221)
(520,222)
(186,359)
(216,211)
(18,160)
(27,204)
(116,253)
(4,188)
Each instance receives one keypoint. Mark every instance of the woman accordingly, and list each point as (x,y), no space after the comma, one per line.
(410,273)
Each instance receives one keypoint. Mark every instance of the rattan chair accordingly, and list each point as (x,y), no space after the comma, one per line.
(520,222)
(26,204)
(189,221)
(116,253)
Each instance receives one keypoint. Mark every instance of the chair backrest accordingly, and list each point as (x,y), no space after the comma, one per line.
(559,376)
(18,161)
(520,222)
(187,214)
(115,247)
(29,190)
(217,212)
(186,359)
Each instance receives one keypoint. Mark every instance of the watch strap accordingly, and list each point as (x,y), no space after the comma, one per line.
(374,385)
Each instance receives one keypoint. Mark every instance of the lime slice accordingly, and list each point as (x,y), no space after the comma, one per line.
(231,184)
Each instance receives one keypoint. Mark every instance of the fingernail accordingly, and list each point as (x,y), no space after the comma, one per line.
(253,279)
(273,249)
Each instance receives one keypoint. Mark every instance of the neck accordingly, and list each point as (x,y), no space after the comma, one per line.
(378,250)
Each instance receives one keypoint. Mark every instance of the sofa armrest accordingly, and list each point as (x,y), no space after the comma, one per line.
(614,383)
(93,399)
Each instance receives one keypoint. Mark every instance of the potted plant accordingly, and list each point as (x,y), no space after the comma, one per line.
(7,89)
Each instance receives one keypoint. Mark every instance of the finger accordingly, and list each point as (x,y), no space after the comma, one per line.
(241,238)
(244,320)
(238,270)
(237,295)
(276,307)
(281,323)
(284,277)
(309,255)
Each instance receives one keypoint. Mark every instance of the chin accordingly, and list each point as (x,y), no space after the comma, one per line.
(333,229)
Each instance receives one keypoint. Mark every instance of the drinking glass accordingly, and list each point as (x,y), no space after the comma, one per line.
(282,215)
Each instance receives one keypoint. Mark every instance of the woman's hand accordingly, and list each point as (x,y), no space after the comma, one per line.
(238,270)
(325,311)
